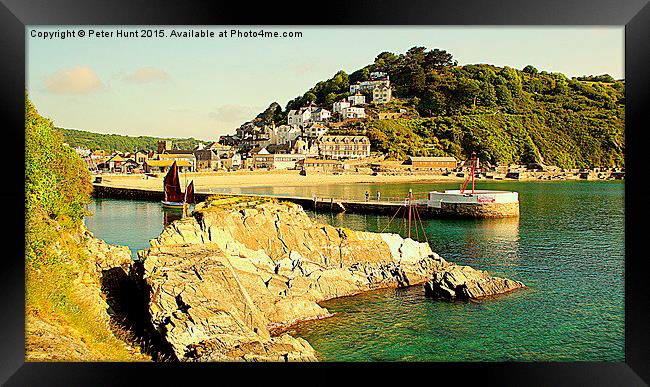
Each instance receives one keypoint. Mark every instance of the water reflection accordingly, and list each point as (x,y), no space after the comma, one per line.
(130,223)
(567,247)
(171,214)
(493,243)
(490,242)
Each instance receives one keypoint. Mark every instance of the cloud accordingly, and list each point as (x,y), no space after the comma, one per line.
(233,113)
(146,75)
(76,80)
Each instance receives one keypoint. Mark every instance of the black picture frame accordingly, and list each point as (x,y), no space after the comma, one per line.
(633,14)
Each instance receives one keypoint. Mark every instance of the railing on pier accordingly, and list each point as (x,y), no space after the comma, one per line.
(417,197)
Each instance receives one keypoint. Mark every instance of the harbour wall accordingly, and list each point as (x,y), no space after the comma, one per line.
(447,210)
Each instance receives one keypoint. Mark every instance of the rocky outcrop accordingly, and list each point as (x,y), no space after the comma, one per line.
(49,336)
(106,256)
(463,283)
(200,304)
(221,280)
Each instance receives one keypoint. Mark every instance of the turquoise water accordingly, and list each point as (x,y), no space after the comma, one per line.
(567,247)
(130,223)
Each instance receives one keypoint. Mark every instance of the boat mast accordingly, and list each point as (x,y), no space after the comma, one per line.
(165,187)
(473,169)
(473,162)
(413,217)
(185,181)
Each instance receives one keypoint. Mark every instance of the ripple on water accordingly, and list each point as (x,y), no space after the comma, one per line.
(567,247)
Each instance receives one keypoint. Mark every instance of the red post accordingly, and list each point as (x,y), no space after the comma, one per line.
(409,202)
(473,170)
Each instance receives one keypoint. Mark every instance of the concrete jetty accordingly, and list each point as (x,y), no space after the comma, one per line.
(426,208)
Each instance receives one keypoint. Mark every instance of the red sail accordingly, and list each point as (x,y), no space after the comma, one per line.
(189,193)
(172,185)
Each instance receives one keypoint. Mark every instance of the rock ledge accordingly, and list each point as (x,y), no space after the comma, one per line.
(220,280)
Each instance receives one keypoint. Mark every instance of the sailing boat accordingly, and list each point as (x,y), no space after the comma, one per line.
(174,198)
(189,193)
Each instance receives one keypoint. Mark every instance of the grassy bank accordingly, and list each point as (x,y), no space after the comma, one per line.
(66,316)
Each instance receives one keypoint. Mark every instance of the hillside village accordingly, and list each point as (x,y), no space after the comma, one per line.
(302,143)
(307,133)
(305,143)
(426,122)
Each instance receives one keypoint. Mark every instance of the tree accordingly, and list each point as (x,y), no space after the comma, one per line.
(416,55)
(340,82)
(310,97)
(467,91)
(386,57)
(504,97)
(295,104)
(560,87)
(488,95)
(433,103)
(57,181)
(530,70)
(438,59)
(331,98)
(606,78)
(359,76)
(417,80)
(272,114)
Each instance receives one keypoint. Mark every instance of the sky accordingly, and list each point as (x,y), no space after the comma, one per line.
(206,87)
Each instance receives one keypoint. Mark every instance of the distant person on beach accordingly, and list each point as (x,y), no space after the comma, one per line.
(367,195)
(378,195)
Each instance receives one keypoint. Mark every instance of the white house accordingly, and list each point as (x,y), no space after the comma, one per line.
(307,115)
(340,105)
(354,88)
(286,133)
(315,130)
(357,99)
(367,86)
(381,94)
(299,117)
(231,162)
(320,115)
(353,112)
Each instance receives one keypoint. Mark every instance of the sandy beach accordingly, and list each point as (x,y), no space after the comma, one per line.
(203,181)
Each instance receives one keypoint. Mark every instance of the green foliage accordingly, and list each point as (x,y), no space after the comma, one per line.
(57,181)
(564,138)
(272,115)
(530,70)
(606,78)
(57,184)
(325,92)
(118,142)
(57,188)
(360,75)
(504,114)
